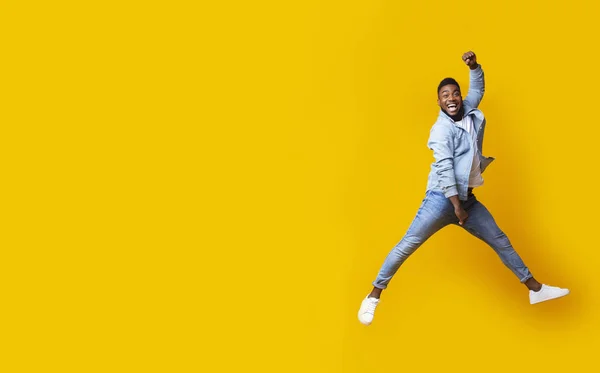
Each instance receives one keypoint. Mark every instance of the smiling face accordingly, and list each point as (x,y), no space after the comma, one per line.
(450,100)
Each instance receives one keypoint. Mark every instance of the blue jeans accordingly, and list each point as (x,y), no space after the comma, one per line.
(435,213)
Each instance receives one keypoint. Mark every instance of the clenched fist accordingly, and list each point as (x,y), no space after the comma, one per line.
(470,59)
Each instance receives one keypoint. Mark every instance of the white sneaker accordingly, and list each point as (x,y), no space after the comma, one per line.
(546,293)
(367,310)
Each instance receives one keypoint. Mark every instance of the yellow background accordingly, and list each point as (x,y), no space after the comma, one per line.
(212,187)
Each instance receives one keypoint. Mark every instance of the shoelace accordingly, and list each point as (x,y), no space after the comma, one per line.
(371,307)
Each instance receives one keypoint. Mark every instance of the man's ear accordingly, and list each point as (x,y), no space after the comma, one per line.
(438,101)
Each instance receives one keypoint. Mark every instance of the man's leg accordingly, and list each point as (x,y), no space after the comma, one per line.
(435,212)
(481,224)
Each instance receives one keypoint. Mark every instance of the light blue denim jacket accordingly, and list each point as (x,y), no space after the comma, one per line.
(453,147)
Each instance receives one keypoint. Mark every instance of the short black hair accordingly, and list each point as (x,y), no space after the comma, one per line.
(447,81)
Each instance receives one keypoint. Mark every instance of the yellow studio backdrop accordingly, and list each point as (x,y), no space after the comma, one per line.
(213,186)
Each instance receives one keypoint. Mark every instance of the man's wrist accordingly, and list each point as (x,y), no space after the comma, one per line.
(455,202)
(474,67)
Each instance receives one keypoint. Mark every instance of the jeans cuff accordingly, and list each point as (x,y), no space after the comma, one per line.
(379,286)
(526,278)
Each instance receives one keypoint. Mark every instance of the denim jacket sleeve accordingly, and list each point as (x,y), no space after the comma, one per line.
(442,144)
(476,88)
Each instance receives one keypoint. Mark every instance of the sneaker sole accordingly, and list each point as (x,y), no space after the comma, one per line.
(364,322)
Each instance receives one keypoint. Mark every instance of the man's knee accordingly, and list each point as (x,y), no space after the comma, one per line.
(500,240)
(408,245)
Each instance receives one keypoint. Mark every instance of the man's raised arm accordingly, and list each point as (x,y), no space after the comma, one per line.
(476,82)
